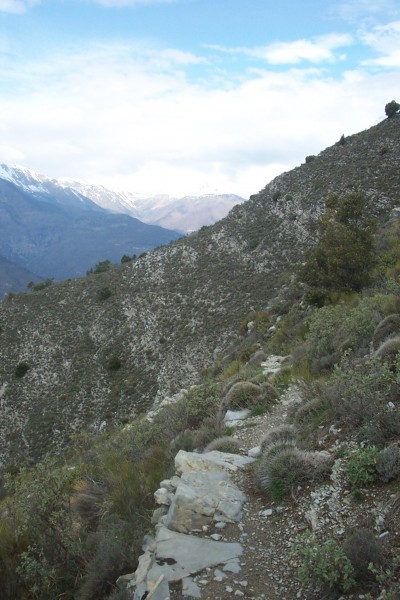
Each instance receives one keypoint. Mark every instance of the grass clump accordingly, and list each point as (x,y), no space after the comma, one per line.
(389,350)
(224,444)
(388,327)
(245,394)
(289,468)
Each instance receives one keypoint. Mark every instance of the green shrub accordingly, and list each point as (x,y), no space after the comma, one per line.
(360,469)
(114,363)
(198,404)
(104,293)
(391,108)
(388,463)
(363,549)
(21,369)
(325,565)
(359,392)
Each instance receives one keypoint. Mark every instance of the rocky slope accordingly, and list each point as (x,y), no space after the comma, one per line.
(99,357)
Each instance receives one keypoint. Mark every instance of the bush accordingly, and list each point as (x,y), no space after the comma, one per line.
(362,549)
(342,259)
(189,412)
(360,469)
(114,363)
(21,369)
(359,392)
(388,463)
(104,294)
(391,108)
(388,327)
(325,565)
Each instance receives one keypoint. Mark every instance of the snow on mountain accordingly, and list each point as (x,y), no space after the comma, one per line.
(180,214)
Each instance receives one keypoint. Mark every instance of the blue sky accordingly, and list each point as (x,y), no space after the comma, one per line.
(185,96)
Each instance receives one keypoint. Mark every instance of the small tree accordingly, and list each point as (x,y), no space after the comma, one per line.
(391,108)
(343,256)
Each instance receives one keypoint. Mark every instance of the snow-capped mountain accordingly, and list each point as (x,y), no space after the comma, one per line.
(46,188)
(54,231)
(182,214)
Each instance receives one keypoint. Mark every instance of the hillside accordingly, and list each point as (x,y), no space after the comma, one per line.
(99,357)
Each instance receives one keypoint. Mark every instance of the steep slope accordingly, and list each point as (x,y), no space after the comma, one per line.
(59,233)
(168,313)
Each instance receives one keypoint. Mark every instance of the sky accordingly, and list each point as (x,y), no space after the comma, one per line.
(185,97)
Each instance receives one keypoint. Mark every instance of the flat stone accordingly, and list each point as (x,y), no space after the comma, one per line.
(190,588)
(254,452)
(163,496)
(211,461)
(160,591)
(232,566)
(201,497)
(179,555)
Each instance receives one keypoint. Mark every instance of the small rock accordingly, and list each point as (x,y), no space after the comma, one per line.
(220,524)
(239,593)
(216,536)
(229,589)
(266,513)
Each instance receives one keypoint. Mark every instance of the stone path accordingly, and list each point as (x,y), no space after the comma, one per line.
(203,545)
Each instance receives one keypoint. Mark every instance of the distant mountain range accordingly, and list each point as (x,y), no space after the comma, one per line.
(181,214)
(61,228)
(54,231)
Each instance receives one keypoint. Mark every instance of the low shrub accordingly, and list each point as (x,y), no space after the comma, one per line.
(21,369)
(388,463)
(325,565)
(358,392)
(362,549)
(114,363)
(360,469)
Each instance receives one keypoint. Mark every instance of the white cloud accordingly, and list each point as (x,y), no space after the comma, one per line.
(317,50)
(356,11)
(124,3)
(132,117)
(17,6)
(385,40)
